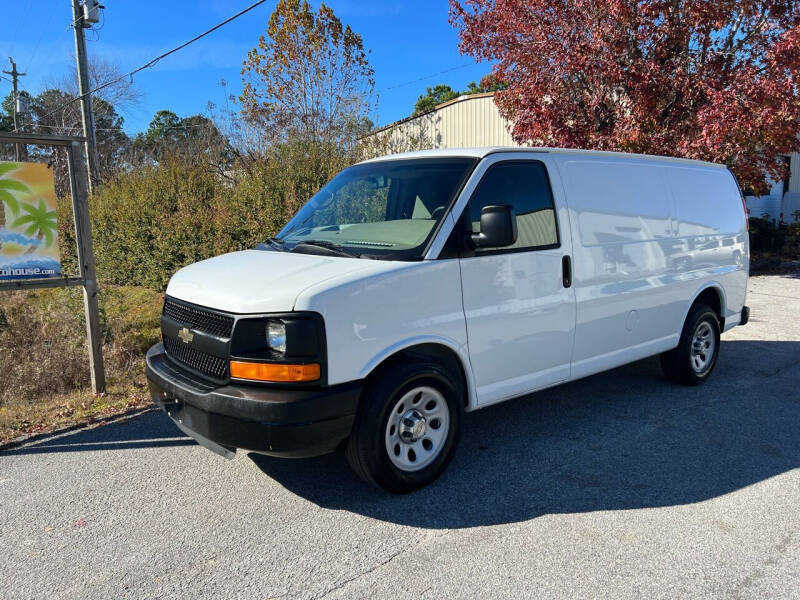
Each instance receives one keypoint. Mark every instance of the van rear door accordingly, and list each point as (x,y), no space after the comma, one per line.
(518,300)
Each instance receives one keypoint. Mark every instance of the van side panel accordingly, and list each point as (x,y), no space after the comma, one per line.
(648,236)
(622,219)
(712,244)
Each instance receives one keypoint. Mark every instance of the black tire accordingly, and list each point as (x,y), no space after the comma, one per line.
(677,364)
(367,450)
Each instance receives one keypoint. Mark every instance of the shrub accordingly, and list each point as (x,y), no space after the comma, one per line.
(41,348)
(794,227)
(43,339)
(149,223)
(765,236)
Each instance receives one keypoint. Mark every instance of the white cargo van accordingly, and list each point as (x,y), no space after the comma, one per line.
(415,287)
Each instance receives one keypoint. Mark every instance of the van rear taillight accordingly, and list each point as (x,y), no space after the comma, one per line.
(746,215)
(744,202)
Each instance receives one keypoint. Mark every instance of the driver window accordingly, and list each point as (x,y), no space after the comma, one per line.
(523,185)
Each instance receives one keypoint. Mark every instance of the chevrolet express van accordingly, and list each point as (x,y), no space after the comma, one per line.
(416,287)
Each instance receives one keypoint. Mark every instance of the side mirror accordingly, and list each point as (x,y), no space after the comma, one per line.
(498,227)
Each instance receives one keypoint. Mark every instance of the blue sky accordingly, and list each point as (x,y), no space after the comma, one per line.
(408,40)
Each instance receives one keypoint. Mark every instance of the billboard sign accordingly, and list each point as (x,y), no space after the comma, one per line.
(28,225)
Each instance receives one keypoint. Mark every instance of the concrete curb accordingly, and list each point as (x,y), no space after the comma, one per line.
(123,416)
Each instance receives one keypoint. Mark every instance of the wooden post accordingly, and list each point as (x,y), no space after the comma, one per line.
(83,237)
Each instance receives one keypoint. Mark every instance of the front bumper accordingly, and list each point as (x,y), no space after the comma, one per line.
(278,421)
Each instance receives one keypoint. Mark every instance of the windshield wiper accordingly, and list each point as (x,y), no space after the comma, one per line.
(275,243)
(330,246)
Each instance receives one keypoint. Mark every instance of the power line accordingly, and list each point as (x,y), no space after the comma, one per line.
(39,41)
(22,87)
(21,22)
(154,61)
(170,127)
(424,77)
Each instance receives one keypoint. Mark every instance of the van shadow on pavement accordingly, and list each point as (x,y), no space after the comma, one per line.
(150,430)
(625,439)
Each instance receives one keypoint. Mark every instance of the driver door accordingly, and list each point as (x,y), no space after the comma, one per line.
(519,303)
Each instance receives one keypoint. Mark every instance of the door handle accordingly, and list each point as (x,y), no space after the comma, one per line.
(566,271)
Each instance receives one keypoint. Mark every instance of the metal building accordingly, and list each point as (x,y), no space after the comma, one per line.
(473,120)
(466,121)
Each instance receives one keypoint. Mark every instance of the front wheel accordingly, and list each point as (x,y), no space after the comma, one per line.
(408,426)
(694,359)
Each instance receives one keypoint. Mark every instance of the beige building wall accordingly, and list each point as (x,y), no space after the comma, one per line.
(474,121)
(471,121)
(466,121)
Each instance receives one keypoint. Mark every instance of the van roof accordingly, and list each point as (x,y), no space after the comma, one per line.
(485,151)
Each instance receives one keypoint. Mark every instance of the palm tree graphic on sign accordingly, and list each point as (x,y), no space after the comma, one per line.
(40,222)
(7,187)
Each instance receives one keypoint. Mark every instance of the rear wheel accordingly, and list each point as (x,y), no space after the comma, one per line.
(692,362)
(407,428)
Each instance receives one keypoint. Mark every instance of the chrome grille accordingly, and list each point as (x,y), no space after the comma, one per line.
(211,366)
(198,318)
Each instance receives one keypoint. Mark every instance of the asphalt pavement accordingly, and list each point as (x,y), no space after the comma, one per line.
(617,486)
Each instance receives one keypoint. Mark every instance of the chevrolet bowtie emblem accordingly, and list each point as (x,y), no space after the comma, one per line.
(186,335)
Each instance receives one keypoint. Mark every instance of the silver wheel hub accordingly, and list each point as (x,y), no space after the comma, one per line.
(703,346)
(417,428)
(412,426)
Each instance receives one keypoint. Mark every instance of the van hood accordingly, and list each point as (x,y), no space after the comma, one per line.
(257,281)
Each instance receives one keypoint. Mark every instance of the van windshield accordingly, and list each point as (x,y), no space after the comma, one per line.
(386,209)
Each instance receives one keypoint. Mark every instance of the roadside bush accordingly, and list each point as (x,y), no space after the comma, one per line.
(793,228)
(146,224)
(41,348)
(66,237)
(43,340)
(765,236)
(149,223)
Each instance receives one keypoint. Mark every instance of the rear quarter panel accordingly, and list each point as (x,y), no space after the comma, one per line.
(711,230)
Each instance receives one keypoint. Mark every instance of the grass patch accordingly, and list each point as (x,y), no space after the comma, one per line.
(44,362)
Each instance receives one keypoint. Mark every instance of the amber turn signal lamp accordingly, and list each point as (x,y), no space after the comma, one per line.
(274,372)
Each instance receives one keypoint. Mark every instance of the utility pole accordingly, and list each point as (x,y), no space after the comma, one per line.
(21,151)
(87,116)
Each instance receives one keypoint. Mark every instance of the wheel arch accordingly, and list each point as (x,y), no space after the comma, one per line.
(712,294)
(443,350)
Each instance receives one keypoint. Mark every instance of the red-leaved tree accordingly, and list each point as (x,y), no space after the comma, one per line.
(707,79)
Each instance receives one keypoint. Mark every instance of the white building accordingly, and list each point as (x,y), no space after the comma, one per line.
(474,121)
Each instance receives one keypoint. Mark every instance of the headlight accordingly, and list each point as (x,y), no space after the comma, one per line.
(279,348)
(276,336)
